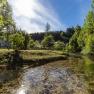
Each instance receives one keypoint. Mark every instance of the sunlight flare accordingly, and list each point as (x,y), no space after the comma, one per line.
(32,15)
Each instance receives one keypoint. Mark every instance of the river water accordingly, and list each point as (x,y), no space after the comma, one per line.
(71,76)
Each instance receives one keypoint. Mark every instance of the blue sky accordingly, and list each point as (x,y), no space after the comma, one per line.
(32,15)
(72,12)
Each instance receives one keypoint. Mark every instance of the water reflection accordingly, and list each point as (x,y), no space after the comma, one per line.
(72,76)
(9,80)
(44,80)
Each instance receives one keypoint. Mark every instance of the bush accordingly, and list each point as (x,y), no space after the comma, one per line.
(59,45)
(48,42)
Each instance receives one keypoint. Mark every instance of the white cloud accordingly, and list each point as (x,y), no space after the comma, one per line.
(32,15)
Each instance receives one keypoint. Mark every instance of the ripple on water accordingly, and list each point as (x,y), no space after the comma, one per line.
(42,80)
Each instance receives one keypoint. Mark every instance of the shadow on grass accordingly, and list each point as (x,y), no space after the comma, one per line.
(16,61)
(43,61)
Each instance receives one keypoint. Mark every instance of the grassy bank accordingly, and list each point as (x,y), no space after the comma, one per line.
(4,53)
(34,57)
(40,57)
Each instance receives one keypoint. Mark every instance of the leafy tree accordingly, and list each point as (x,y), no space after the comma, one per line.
(88,32)
(6,22)
(48,42)
(70,32)
(1,22)
(37,45)
(89,47)
(73,45)
(59,45)
(92,5)
(17,40)
(6,14)
(31,44)
(26,41)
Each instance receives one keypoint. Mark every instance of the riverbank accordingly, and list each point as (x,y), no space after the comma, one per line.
(70,75)
(33,57)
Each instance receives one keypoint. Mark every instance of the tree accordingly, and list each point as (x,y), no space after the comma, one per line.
(26,41)
(92,5)
(7,24)
(59,45)
(88,33)
(37,45)
(89,47)
(48,42)
(31,44)
(47,27)
(6,14)
(17,40)
(73,45)
(70,32)
(1,22)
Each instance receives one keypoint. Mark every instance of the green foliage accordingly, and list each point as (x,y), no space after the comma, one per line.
(37,45)
(59,45)
(92,5)
(83,39)
(17,40)
(76,39)
(26,41)
(6,21)
(89,46)
(73,45)
(31,44)
(48,42)
(1,22)
(88,34)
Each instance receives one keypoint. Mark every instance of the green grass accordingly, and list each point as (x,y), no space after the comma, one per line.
(41,56)
(5,51)
(29,56)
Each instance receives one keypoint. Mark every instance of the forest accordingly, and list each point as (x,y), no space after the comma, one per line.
(49,62)
(79,39)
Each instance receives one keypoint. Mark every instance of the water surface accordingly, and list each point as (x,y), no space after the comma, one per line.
(71,76)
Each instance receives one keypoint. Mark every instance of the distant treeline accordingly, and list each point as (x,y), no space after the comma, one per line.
(58,35)
(79,39)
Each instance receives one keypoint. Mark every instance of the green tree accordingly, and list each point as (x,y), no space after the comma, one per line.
(37,45)
(7,24)
(73,45)
(92,5)
(1,22)
(31,44)
(26,41)
(48,27)
(48,42)
(17,40)
(59,45)
(88,33)
(6,14)
(89,47)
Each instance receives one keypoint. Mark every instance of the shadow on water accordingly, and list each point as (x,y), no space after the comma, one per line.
(10,75)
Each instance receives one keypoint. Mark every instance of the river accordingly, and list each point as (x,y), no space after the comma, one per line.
(71,76)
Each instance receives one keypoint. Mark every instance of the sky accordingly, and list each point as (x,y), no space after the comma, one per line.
(33,15)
